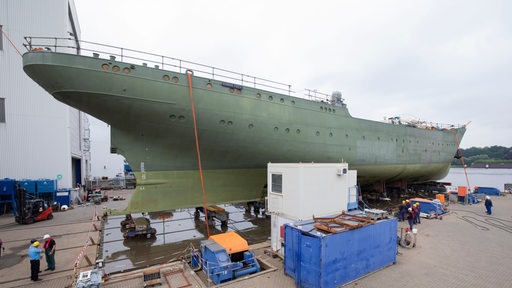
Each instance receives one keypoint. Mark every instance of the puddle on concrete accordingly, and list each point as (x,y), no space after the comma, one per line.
(176,231)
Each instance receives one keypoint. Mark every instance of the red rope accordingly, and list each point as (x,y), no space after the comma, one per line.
(462,158)
(189,76)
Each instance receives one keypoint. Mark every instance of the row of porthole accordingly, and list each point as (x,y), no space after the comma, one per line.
(403,140)
(276,129)
(174,117)
(115,68)
(175,79)
(271,98)
(327,109)
(127,70)
(209,85)
(297,131)
(167,78)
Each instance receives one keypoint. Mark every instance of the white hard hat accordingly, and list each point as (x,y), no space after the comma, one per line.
(46,236)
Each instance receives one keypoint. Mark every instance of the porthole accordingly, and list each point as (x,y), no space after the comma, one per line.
(172,117)
(293,102)
(276,129)
(250,126)
(281,100)
(116,68)
(231,90)
(166,77)
(333,110)
(209,85)
(238,91)
(330,134)
(317,133)
(175,79)
(126,70)
(330,110)
(230,123)
(222,122)
(258,95)
(105,67)
(181,118)
(297,131)
(346,136)
(270,98)
(321,108)
(364,137)
(287,130)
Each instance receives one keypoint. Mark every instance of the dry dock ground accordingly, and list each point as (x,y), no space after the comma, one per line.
(467,248)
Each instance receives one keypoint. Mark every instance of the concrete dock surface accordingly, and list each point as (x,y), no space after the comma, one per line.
(467,248)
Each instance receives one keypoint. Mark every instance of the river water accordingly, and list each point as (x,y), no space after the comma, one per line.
(481,177)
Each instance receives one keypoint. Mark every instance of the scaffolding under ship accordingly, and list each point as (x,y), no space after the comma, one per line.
(240,127)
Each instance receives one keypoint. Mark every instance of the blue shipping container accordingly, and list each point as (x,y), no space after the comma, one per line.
(28,185)
(488,191)
(7,186)
(315,259)
(46,185)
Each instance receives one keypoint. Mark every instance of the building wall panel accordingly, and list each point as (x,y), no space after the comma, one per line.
(41,135)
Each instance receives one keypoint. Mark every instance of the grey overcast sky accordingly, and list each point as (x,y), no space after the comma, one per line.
(439,61)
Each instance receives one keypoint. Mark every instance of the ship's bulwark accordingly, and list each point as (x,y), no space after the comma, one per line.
(240,130)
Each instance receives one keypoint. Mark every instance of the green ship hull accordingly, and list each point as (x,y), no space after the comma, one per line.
(240,129)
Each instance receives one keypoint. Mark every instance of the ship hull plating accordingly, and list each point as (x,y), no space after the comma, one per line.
(240,129)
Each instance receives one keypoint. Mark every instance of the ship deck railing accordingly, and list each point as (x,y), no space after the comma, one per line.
(87,48)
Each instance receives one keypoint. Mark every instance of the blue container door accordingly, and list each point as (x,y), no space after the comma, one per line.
(291,253)
(310,259)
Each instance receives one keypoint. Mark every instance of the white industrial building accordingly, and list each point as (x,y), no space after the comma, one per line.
(40,137)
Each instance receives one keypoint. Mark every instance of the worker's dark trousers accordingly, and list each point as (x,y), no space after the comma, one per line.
(34,270)
(50,259)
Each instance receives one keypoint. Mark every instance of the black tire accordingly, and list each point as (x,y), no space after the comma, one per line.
(50,217)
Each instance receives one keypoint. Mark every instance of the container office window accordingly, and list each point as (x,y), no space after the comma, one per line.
(2,110)
(277,183)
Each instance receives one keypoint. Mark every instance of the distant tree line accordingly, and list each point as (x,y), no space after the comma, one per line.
(493,154)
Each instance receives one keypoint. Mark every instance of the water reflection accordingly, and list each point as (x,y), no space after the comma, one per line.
(177,230)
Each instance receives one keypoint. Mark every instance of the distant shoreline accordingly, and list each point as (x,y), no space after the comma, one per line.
(491,165)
